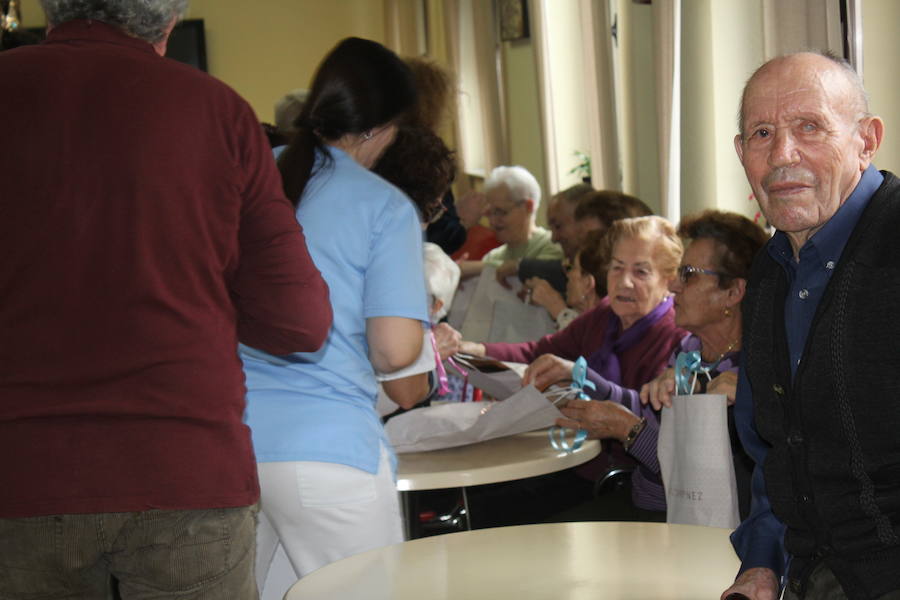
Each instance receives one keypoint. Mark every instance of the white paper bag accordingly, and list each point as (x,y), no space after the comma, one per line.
(695,460)
(496,314)
(461,300)
(458,424)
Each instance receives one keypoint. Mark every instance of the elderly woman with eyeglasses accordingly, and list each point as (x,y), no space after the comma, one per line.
(708,291)
(513,197)
(626,339)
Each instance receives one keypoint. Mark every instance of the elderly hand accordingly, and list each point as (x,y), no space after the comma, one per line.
(659,391)
(543,294)
(470,207)
(447,339)
(508,268)
(758,583)
(724,383)
(600,418)
(546,370)
(472,348)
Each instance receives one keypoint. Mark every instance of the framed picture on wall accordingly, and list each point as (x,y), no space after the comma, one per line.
(513,20)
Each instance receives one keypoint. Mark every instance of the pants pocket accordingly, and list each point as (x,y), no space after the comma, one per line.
(185,550)
(31,564)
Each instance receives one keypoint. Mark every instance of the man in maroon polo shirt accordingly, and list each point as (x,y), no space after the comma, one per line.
(143,233)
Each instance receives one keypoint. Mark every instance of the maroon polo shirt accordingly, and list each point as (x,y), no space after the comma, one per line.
(143,232)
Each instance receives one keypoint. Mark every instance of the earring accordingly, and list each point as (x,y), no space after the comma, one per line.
(727,312)
(367,136)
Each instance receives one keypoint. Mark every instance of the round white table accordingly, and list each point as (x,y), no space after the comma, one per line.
(557,561)
(501,459)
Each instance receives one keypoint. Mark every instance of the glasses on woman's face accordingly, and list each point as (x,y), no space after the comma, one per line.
(685,272)
(502,213)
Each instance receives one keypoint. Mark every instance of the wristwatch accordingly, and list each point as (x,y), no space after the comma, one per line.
(635,431)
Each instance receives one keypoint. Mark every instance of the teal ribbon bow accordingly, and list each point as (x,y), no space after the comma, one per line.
(687,368)
(557,434)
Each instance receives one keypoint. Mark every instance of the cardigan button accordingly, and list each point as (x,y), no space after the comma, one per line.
(794,439)
(778,389)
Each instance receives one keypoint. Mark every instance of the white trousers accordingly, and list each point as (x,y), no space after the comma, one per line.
(321,512)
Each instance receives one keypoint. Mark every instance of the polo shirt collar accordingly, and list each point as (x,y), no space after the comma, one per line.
(95,31)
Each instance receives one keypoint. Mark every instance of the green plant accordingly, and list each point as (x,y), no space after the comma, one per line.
(583,167)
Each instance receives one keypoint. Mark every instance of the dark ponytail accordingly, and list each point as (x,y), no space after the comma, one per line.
(359,86)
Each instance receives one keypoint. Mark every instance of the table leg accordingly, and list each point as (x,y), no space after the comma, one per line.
(465,498)
(406,507)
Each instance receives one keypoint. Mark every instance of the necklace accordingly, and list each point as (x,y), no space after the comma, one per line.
(730,347)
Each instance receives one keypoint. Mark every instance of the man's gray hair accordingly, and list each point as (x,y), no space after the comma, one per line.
(856,82)
(144,19)
(521,184)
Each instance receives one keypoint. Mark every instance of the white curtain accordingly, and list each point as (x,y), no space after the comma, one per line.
(599,86)
(667,29)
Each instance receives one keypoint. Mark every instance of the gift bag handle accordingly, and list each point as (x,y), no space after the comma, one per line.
(557,434)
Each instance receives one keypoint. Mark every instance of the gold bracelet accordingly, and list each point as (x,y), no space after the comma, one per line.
(635,431)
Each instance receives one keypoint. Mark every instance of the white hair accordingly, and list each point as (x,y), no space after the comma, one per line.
(441,277)
(521,184)
(288,109)
(144,19)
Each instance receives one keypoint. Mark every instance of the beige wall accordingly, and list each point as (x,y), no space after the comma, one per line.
(32,15)
(721,46)
(264,49)
(737,41)
(523,111)
(564,77)
(881,47)
(263,53)
(640,160)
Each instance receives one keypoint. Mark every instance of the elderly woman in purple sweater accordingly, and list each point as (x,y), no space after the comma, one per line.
(630,334)
(626,339)
(708,291)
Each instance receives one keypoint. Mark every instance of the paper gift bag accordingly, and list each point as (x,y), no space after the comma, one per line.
(695,460)
(497,379)
(496,314)
(458,424)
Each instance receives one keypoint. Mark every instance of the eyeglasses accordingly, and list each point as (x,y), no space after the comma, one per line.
(502,212)
(685,272)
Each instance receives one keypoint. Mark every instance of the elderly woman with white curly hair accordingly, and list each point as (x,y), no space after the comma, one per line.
(513,197)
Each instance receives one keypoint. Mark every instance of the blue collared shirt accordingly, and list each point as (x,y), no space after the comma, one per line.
(759,540)
(808,276)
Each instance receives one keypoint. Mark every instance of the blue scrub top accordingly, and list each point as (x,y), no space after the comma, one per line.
(365,237)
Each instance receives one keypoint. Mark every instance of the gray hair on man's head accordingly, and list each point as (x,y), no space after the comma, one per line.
(521,184)
(859,93)
(441,278)
(144,19)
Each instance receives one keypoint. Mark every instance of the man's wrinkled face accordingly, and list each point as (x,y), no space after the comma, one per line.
(800,143)
(561,219)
